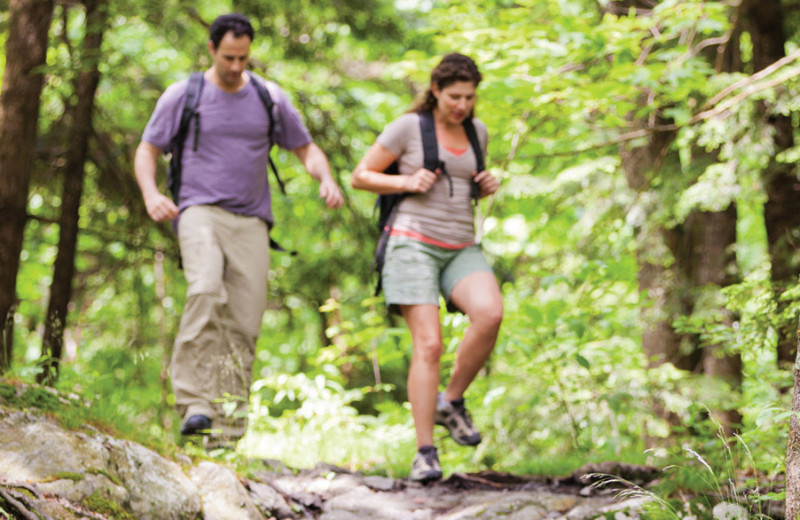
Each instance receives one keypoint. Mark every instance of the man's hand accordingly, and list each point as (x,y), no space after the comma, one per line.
(160,207)
(316,164)
(329,190)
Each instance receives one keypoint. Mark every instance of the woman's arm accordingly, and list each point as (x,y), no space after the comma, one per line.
(369,175)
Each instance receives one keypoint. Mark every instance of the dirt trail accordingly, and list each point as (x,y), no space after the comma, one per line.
(329,493)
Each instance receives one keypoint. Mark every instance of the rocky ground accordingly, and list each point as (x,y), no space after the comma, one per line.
(51,472)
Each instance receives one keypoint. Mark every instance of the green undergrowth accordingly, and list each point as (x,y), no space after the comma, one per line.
(71,410)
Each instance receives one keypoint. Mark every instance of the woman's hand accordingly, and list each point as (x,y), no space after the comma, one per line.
(421,180)
(487,182)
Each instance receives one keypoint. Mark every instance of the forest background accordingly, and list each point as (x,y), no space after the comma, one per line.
(644,233)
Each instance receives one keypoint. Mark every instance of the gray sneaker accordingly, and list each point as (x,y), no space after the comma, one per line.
(453,416)
(425,466)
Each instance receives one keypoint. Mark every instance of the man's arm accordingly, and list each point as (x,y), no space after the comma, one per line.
(159,206)
(316,164)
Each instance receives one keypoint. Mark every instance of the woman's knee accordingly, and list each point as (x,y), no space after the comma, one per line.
(489,315)
(428,350)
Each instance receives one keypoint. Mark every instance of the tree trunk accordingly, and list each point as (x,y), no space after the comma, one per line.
(80,131)
(763,19)
(660,342)
(714,235)
(793,446)
(26,50)
(677,264)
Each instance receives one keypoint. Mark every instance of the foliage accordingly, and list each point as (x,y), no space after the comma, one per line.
(320,411)
(564,82)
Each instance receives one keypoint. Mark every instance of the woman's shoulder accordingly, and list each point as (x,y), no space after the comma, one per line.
(407,119)
(480,126)
(402,127)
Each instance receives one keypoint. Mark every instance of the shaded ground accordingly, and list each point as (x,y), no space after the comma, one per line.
(48,471)
(333,494)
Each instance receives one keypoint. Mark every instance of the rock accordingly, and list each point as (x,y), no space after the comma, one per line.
(630,509)
(92,468)
(729,511)
(498,506)
(47,471)
(276,467)
(222,495)
(76,490)
(363,504)
(269,501)
(158,487)
(378,483)
(323,468)
(312,488)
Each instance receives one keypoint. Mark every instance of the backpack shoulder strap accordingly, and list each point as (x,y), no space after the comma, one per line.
(193,90)
(191,101)
(472,135)
(266,98)
(430,147)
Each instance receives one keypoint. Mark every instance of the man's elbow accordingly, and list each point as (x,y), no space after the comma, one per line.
(147,150)
(305,152)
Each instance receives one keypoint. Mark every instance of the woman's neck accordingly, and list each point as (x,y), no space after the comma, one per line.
(443,122)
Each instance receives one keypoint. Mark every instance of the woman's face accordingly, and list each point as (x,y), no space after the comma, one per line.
(455,101)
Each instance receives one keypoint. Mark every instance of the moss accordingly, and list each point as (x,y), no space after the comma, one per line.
(67,475)
(41,398)
(8,393)
(99,471)
(98,503)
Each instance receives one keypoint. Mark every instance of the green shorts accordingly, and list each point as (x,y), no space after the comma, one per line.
(416,273)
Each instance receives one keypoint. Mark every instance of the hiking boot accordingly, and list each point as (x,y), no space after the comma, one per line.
(196,425)
(453,416)
(425,466)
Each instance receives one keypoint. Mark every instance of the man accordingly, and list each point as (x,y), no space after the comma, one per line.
(223,218)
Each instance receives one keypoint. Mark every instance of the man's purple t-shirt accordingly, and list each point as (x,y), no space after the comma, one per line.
(229,168)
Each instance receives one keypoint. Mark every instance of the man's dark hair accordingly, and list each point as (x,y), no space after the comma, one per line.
(236,23)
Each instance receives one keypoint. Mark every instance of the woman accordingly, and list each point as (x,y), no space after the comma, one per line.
(432,250)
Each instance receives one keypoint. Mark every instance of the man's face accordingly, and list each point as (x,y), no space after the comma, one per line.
(230,58)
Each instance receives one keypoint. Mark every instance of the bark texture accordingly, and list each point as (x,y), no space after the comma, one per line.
(763,19)
(793,447)
(23,78)
(657,278)
(74,171)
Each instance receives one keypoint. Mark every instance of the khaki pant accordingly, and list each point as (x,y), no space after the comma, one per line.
(226,263)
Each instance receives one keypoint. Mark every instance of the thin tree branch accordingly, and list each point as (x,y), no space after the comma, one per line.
(752,89)
(752,79)
(704,115)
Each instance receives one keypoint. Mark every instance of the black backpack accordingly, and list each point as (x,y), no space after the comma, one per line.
(193,90)
(386,205)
